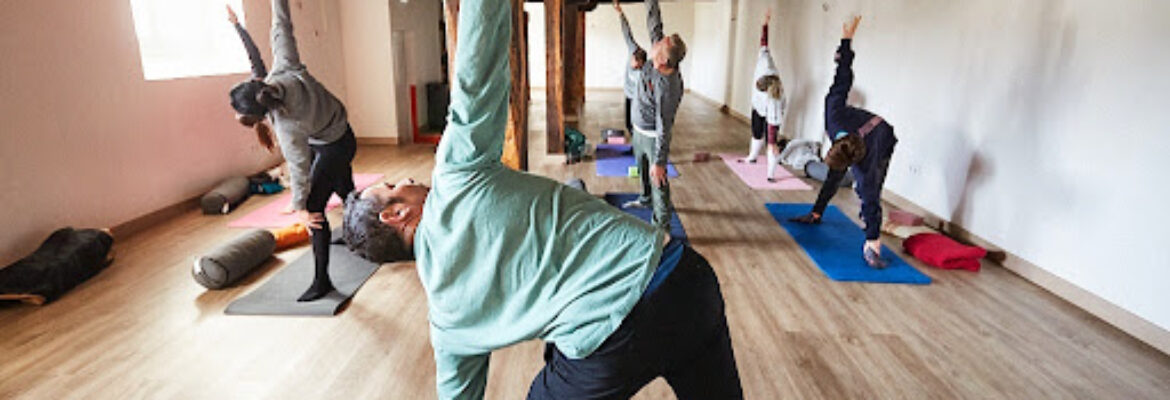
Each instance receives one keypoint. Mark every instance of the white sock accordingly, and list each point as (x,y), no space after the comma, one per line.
(772,161)
(757,144)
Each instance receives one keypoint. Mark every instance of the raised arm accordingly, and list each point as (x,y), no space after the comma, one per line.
(258,70)
(630,42)
(284,44)
(764,34)
(654,21)
(843,80)
(461,377)
(479,94)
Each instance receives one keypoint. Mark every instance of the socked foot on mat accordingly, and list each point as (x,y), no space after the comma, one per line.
(636,204)
(317,290)
(874,259)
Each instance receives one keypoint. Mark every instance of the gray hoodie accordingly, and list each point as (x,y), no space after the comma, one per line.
(310,115)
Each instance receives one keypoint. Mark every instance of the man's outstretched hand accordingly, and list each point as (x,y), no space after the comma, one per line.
(810,218)
(850,27)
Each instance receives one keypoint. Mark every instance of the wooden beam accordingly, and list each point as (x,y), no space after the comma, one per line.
(451,10)
(516,137)
(554,25)
(577,75)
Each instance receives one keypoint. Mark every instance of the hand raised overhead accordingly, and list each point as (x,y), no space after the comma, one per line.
(850,27)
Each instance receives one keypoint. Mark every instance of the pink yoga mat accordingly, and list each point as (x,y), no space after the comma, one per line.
(270,216)
(756,175)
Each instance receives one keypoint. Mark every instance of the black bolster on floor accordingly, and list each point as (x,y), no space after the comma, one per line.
(226,196)
(231,261)
(66,259)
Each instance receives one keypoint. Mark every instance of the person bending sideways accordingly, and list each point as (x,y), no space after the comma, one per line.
(863,142)
(768,107)
(313,131)
(506,256)
(657,94)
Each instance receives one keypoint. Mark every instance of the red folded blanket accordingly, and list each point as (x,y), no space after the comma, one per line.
(943,252)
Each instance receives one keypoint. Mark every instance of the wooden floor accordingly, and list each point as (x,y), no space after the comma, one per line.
(144,329)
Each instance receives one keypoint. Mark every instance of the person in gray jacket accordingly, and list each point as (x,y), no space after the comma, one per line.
(657,94)
(311,127)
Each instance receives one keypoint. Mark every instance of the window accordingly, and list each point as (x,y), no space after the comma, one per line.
(186,38)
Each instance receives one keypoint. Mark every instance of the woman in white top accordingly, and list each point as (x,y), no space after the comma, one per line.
(768,106)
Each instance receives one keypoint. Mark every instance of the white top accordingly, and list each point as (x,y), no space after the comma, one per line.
(764,66)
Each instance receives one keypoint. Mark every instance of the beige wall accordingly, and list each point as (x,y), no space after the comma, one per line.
(86,142)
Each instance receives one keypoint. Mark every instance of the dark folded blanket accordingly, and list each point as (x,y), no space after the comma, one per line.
(66,259)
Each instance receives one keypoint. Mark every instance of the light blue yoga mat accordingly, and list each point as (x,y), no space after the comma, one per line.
(835,246)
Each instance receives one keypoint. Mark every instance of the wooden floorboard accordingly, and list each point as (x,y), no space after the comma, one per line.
(145,329)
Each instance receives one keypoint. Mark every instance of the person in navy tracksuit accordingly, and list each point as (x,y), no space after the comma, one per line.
(863,142)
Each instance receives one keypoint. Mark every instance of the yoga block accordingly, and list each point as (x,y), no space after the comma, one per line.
(702,156)
(632,171)
(616,140)
(233,260)
(904,218)
(291,236)
(226,196)
(63,261)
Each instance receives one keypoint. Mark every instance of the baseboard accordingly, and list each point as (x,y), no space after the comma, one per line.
(378,141)
(1122,319)
(153,218)
(700,96)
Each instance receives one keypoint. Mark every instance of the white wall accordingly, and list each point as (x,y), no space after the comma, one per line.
(1037,125)
(372,102)
(86,142)
(606,53)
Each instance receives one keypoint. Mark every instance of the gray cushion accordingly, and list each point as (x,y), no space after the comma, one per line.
(225,197)
(820,171)
(233,260)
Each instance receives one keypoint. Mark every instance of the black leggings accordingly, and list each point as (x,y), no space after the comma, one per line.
(629,121)
(331,173)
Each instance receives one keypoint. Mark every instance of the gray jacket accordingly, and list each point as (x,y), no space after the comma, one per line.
(310,115)
(656,96)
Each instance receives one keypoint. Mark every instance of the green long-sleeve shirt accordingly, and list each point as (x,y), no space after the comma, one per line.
(506,256)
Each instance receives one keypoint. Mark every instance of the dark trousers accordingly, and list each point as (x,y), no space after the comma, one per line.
(331,173)
(759,125)
(629,121)
(679,332)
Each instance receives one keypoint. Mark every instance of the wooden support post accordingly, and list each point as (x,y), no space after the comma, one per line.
(516,137)
(554,25)
(451,10)
(577,75)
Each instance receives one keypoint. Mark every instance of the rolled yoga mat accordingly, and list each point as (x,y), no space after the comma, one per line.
(227,264)
(834,246)
(225,197)
(616,159)
(278,295)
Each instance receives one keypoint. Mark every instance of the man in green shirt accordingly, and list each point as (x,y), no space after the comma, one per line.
(505,257)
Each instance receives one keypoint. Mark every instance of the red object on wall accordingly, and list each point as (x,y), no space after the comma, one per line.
(943,252)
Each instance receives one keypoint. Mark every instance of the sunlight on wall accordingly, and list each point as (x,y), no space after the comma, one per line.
(187,38)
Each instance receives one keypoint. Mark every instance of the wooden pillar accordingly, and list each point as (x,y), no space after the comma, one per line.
(516,137)
(451,10)
(554,25)
(575,76)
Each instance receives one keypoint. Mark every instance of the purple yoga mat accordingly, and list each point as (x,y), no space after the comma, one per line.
(616,160)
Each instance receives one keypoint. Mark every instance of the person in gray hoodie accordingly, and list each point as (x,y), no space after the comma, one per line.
(311,127)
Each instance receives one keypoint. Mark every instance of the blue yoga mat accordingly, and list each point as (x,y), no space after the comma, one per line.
(617,199)
(616,160)
(835,246)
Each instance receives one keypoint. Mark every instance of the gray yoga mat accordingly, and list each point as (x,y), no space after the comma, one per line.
(278,296)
